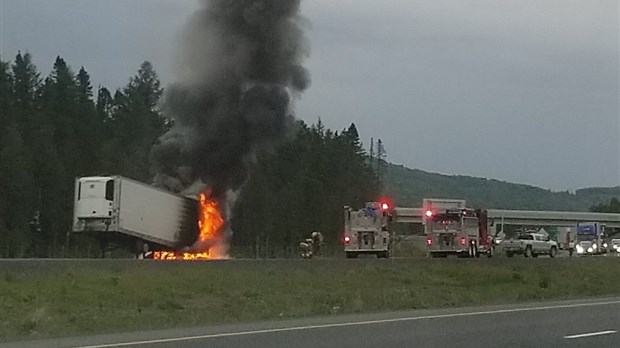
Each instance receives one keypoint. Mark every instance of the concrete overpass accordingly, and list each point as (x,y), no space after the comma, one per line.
(523,217)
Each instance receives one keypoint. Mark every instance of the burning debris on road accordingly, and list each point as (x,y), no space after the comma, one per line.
(171,255)
(240,67)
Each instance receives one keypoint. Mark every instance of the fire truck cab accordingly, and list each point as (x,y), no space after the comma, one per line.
(366,230)
(453,229)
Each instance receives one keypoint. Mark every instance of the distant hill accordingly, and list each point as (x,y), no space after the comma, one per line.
(409,186)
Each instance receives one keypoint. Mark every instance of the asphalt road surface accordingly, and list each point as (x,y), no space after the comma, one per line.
(578,323)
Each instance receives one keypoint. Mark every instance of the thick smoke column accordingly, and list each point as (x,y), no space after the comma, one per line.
(239,68)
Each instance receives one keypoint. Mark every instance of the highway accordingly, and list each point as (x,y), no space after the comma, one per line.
(576,323)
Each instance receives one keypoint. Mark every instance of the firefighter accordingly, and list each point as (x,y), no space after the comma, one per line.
(311,246)
(306,248)
(569,244)
(490,245)
(317,241)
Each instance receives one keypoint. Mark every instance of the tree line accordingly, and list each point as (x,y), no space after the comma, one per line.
(302,188)
(612,207)
(60,127)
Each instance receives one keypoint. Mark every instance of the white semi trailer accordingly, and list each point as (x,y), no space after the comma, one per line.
(121,211)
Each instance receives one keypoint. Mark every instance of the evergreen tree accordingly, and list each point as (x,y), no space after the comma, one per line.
(136,124)
(84,88)
(58,152)
(89,130)
(104,105)
(352,137)
(19,123)
(26,81)
(17,198)
(6,96)
(58,101)
(145,87)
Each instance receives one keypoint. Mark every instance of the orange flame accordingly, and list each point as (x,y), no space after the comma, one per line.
(210,221)
(210,226)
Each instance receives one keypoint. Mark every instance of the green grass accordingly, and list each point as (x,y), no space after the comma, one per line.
(77,298)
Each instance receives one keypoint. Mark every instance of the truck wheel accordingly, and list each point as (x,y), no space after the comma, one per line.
(510,254)
(553,252)
(528,252)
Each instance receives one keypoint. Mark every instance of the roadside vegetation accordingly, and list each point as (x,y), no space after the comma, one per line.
(81,298)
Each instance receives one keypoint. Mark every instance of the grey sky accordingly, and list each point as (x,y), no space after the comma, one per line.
(521,90)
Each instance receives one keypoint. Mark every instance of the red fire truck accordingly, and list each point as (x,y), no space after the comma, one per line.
(453,229)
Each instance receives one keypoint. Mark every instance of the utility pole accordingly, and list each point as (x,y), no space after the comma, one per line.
(372,152)
(381,160)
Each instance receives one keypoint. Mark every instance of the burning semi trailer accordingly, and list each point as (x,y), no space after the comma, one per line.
(152,222)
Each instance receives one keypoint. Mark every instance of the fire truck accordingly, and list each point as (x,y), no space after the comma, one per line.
(366,230)
(453,229)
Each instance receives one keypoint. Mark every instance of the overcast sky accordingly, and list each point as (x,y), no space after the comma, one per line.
(519,90)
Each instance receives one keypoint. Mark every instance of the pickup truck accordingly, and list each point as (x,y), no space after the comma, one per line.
(530,245)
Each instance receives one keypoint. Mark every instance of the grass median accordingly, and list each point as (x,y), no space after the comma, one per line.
(82,298)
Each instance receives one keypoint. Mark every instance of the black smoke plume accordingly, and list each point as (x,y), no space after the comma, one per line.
(239,69)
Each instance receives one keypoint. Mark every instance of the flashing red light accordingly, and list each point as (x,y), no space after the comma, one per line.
(429,241)
(347,239)
(429,213)
(463,241)
(385,206)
